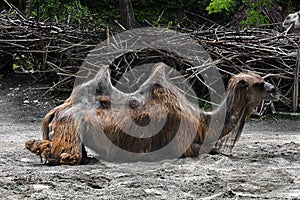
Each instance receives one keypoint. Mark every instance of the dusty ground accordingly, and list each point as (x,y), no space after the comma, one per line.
(265,163)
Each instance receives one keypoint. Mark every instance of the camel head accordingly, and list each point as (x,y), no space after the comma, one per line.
(244,93)
(292,23)
(250,89)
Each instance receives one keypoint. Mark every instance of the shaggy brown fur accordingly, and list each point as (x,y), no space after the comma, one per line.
(40,148)
(99,116)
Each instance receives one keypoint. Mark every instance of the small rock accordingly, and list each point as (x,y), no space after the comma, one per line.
(25,101)
(16,196)
(36,101)
(17,89)
(153,191)
(26,160)
(40,186)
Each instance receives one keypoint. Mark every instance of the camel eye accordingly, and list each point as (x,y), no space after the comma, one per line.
(243,83)
(259,86)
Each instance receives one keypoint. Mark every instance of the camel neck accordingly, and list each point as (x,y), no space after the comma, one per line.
(230,116)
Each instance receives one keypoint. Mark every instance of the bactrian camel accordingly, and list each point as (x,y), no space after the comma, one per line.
(99,116)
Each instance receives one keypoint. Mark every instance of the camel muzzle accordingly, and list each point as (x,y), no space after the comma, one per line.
(273,95)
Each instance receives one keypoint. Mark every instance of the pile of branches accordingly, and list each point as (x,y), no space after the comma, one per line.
(56,52)
(264,51)
(45,50)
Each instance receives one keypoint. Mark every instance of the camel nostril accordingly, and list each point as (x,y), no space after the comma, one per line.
(273,90)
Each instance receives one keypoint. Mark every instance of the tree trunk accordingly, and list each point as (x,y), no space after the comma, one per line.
(286,8)
(296,81)
(29,10)
(22,6)
(127,15)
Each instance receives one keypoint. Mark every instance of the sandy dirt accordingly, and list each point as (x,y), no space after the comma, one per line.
(265,162)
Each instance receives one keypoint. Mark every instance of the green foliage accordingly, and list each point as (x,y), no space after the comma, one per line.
(23,63)
(206,107)
(254,15)
(67,11)
(254,18)
(15,67)
(217,6)
(76,11)
(170,12)
(1,76)
(100,13)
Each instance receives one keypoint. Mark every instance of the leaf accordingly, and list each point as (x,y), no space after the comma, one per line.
(217,6)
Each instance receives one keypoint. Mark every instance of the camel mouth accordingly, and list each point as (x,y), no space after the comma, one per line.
(273,96)
(289,28)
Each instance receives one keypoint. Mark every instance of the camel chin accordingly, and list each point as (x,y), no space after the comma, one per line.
(273,97)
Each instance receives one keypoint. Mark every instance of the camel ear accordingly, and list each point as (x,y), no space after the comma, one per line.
(243,84)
